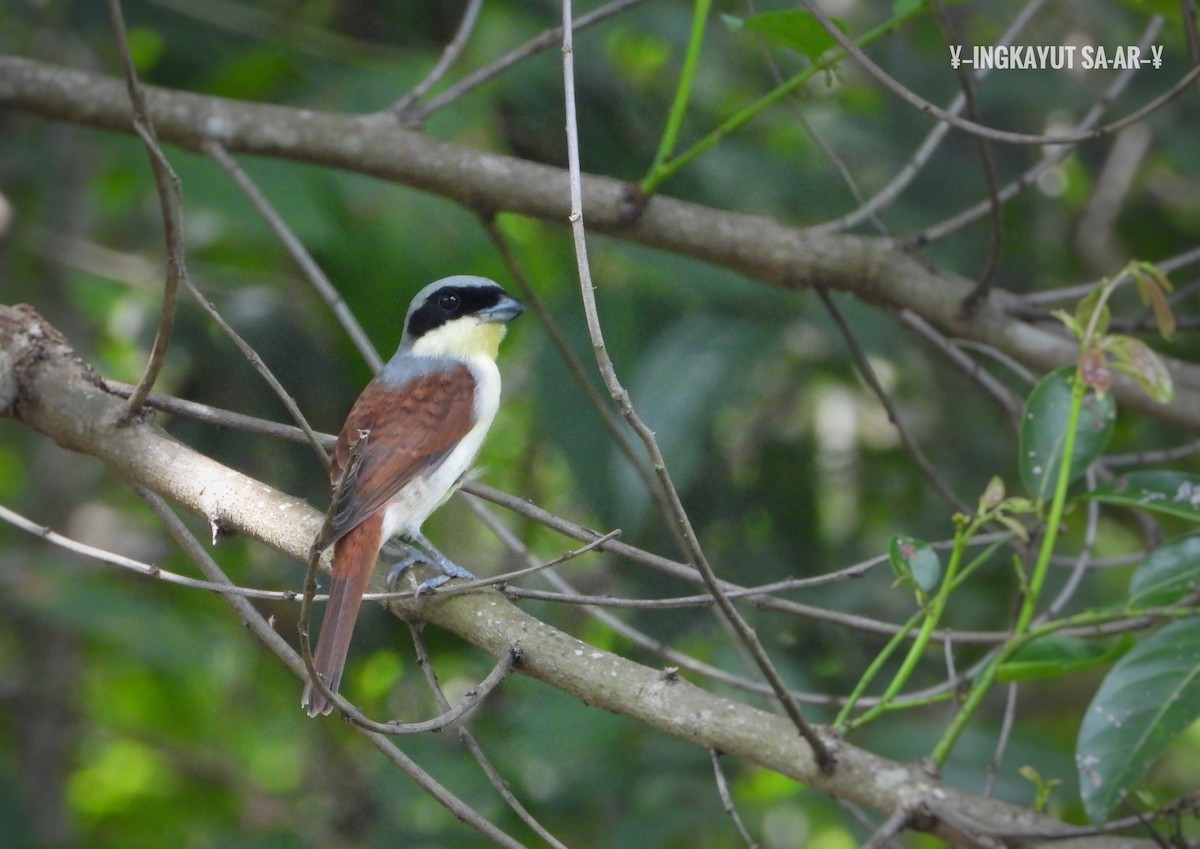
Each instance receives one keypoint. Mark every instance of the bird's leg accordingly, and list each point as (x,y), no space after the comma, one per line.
(412,556)
(425,551)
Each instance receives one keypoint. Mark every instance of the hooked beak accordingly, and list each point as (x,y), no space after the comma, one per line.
(505,310)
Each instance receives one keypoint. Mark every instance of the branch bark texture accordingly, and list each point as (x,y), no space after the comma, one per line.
(874,269)
(50,390)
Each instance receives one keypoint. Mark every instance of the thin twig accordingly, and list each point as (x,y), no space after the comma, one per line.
(1051,158)
(1006,399)
(262,629)
(680,523)
(867,372)
(991,133)
(425,663)
(1146,458)
(299,253)
(171,206)
(461,587)
(727,799)
(891,827)
(1006,727)
(145,569)
(635,636)
(827,150)
(256,362)
(1189,804)
(1024,374)
(449,56)
(574,366)
(1078,290)
(996,217)
(924,153)
(221,418)
(543,41)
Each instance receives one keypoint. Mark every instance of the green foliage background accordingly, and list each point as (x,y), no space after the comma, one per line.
(134,713)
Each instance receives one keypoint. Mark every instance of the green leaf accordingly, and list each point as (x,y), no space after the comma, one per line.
(1171,571)
(1173,493)
(795,29)
(1077,330)
(1149,697)
(1043,787)
(1136,358)
(1053,656)
(993,495)
(915,558)
(1044,431)
(1086,313)
(1154,296)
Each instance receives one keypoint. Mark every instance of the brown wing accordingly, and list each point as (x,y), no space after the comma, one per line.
(413,425)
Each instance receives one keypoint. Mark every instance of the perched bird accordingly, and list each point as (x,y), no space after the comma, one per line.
(424,417)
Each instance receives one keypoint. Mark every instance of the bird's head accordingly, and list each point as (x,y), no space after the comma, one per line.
(460,317)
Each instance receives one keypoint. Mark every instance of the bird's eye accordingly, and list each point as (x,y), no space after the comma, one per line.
(448,301)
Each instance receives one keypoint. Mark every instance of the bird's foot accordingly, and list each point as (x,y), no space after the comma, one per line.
(430,556)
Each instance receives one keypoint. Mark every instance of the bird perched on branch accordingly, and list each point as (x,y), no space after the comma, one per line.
(423,417)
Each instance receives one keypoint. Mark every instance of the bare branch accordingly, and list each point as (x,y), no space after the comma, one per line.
(256,362)
(677,517)
(875,269)
(1050,159)
(924,153)
(299,253)
(973,128)
(545,40)
(267,635)
(727,799)
(868,374)
(60,397)
(172,213)
(453,50)
(469,743)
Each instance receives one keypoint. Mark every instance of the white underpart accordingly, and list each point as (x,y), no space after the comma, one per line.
(473,344)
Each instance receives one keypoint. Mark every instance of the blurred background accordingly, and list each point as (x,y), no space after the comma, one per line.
(134,713)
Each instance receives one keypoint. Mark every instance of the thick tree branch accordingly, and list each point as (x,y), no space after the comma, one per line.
(60,396)
(874,269)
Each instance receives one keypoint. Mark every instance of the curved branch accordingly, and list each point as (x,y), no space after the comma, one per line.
(60,396)
(874,269)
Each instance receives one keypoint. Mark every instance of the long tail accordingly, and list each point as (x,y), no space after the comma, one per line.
(354,558)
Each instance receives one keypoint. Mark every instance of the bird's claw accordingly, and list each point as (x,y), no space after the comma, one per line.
(411,558)
(433,558)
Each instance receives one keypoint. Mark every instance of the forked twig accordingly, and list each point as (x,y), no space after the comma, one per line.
(263,630)
(727,799)
(299,253)
(504,664)
(971,127)
(171,205)
(472,746)
(449,56)
(678,519)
